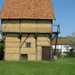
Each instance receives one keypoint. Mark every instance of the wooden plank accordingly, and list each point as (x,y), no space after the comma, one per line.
(30,37)
(28,50)
(10,57)
(44,26)
(39,53)
(12,50)
(12,26)
(32,57)
(28,26)
(16,45)
(43,44)
(12,39)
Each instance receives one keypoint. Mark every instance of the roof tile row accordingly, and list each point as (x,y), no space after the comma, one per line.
(27,9)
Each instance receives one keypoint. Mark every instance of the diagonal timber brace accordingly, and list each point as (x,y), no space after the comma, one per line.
(25,40)
(54,36)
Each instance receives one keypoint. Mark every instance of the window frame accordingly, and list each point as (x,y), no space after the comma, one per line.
(28,44)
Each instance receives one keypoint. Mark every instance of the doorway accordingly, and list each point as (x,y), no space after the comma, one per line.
(45,53)
(24,56)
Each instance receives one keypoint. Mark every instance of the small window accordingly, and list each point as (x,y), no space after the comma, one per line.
(24,56)
(28,45)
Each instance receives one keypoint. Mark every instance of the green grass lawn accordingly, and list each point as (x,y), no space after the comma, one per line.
(63,66)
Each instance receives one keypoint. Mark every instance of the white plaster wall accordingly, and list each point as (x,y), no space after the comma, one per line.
(63,48)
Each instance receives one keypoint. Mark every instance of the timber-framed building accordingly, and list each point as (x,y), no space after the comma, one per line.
(27,29)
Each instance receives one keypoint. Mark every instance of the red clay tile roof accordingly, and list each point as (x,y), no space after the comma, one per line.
(61,41)
(27,9)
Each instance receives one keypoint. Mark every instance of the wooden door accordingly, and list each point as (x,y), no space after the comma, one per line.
(45,53)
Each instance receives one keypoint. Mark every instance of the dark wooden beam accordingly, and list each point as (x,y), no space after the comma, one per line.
(56,45)
(25,40)
(36,38)
(54,36)
(36,44)
(50,46)
(20,45)
(20,27)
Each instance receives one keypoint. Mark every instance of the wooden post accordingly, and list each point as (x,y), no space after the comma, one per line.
(19,48)
(36,39)
(50,46)
(20,41)
(51,41)
(56,44)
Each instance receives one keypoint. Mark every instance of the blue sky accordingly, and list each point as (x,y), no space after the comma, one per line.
(65,15)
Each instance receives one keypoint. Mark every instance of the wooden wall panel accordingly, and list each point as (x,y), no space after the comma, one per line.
(11,50)
(12,39)
(30,37)
(28,50)
(41,26)
(43,44)
(10,57)
(39,53)
(32,57)
(11,45)
(44,26)
(10,25)
(39,57)
(43,40)
(28,25)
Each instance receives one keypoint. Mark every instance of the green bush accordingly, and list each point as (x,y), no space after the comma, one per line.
(59,54)
(1,46)
(70,54)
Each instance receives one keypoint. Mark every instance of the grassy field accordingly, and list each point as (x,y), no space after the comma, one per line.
(63,66)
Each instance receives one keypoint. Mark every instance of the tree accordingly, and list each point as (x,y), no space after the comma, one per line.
(71,40)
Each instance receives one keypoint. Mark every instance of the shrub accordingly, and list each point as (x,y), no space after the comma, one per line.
(70,54)
(59,54)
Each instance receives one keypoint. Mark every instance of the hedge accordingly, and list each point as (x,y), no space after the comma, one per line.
(70,54)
